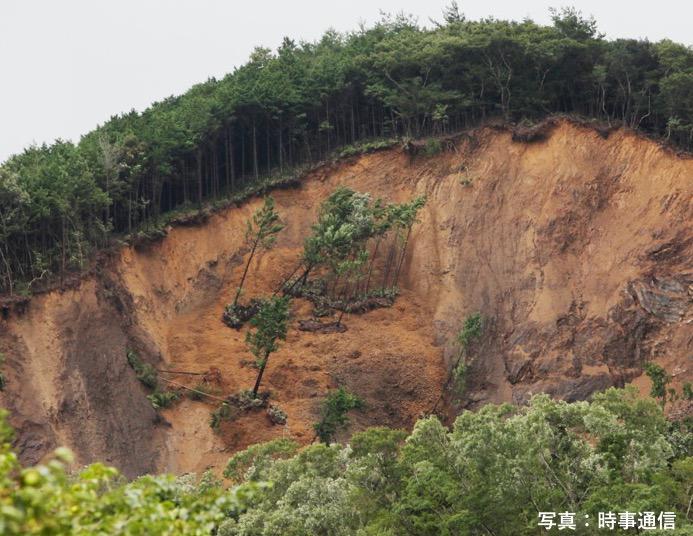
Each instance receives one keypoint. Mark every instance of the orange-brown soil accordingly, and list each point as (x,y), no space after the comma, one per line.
(576,249)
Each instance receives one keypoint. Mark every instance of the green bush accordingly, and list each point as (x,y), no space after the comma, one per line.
(223,413)
(490,473)
(660,379)
(276,415)
(433,146)
(334,413)
(200,389)
(144,371)
(163,399)
(51,500)
(246,399)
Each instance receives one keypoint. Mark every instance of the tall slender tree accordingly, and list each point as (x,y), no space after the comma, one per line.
(271,324)
(261,233)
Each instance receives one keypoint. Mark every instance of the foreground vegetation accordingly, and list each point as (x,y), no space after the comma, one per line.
(490,474)
(287,108)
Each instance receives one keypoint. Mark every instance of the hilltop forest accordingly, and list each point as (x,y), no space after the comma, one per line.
(297,105)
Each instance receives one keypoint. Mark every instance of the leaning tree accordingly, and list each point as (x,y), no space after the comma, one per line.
(271,324)
(261,233)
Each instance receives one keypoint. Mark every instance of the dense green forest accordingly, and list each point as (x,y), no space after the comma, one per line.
(490,474)
(296,105)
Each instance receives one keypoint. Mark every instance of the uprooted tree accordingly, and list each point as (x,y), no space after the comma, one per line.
(261,233)
(262,230)
(349,227)
(271,324)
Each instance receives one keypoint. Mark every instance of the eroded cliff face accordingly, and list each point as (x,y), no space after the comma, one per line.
(576,249)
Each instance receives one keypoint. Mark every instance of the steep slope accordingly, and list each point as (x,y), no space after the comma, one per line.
(576,249)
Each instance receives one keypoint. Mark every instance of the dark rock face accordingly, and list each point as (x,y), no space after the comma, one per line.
(665,298)
(554,361)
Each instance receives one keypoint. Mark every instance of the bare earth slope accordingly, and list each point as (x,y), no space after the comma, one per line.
(576,249)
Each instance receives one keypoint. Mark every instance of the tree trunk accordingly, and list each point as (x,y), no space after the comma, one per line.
(255,167)
(287,279)
(199,177)
(388,265)
(232,166)
(245,272)
(281,139)
(370,267)
(9,272)
(227,167)
(269,145)
(259,375)
(401,259)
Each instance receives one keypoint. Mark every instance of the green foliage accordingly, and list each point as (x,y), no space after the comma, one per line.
(144,371)
(433,147)
(223,412)
(246,400)
(470,332)
(265,225)
(489,474)
(285,110)
(660,379)
(687,391)
(250,463)
(365,147)
(276,414)
(200,389)
(270,323)
(350,225)
(49,499)
(333,414)
(236,314)
(261,232)
(163,399)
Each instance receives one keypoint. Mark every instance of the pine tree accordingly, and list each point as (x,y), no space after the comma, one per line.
(262,230)
(271,324)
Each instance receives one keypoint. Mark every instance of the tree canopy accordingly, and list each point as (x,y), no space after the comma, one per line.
(294,105)
(492,472)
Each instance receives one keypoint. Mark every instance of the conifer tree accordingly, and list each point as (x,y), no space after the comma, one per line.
(271,324)
(262,230)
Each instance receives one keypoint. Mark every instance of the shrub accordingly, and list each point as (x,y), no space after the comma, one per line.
(687,391)
(660,379)
(360,148)
(246,400)
(223,413)
(163,399)
(201,389)
(530,133)
(334,413)
(144,371)
(236,314)
(433,147)
(276,415)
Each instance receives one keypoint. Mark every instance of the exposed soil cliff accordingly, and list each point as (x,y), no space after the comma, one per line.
(576,249)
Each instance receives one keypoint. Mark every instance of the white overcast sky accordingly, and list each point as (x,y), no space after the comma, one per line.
(68,65)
